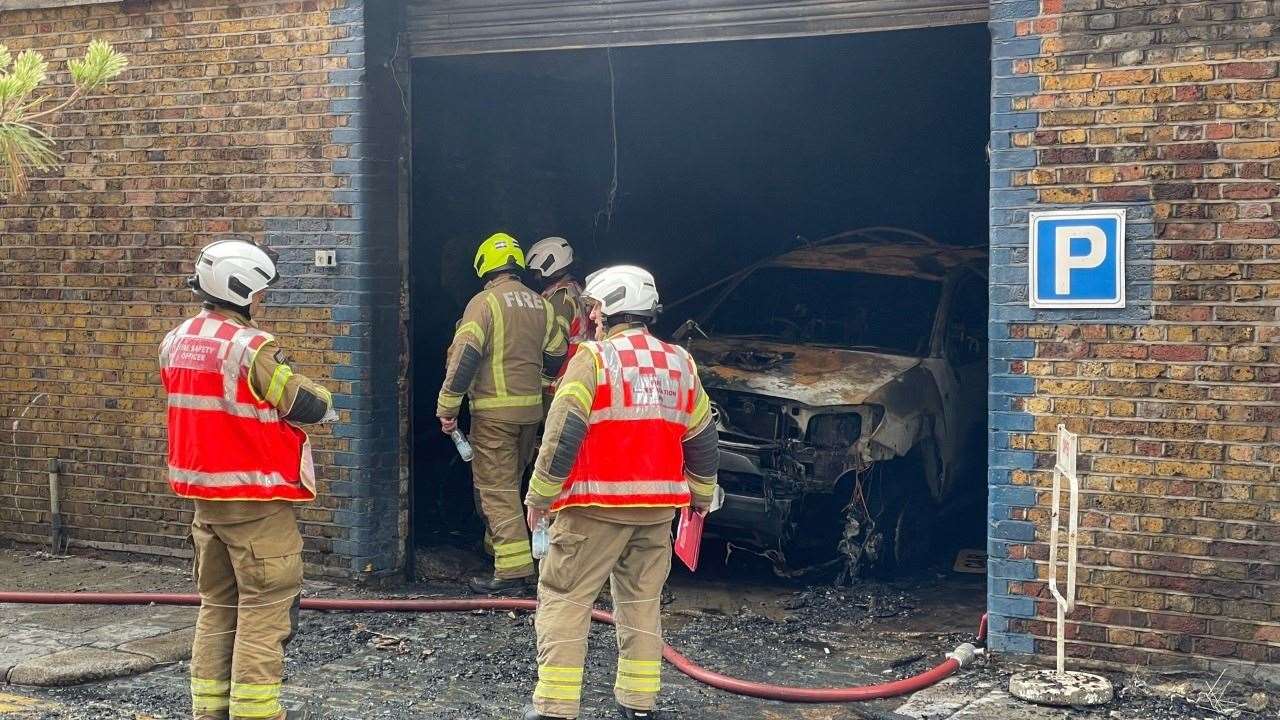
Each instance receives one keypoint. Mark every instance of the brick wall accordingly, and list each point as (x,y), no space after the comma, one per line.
(235,119)
(1168,109)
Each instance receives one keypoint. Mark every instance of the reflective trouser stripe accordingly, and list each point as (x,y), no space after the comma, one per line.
(512,555)
(255,701)
(210,696)
(640,676)
(559,683)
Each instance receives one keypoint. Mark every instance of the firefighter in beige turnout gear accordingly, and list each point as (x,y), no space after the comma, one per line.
(506,347)
(234,449)
(549,262)
(629,439)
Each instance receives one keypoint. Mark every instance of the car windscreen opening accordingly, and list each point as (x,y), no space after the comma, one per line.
(832,308)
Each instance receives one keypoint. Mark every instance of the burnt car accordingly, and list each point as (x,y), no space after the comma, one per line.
(849,385)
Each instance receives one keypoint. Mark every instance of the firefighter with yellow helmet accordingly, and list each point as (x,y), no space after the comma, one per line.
(506,347)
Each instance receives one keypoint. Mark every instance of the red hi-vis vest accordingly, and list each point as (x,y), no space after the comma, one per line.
(633,454)
(224,442)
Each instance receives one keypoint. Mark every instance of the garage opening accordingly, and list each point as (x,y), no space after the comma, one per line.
(832,184)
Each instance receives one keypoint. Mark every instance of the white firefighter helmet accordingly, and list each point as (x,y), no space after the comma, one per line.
(550,255)
(623,290)
(233,271)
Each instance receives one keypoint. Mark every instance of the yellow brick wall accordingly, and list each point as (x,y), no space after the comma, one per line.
(223,125)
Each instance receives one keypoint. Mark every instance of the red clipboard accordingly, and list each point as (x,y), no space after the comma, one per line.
(689,537)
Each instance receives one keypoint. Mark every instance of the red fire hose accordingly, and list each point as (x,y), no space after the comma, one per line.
(960,657)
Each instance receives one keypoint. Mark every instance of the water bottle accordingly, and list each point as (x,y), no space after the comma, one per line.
(540,540)
(464,446)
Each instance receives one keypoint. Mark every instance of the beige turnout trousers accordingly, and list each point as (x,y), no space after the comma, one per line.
(503,451)
(586,551)
(250,580)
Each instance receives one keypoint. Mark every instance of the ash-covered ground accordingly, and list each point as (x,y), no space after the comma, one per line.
(735,620)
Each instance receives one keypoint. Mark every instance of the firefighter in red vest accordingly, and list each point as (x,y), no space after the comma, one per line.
(235,449)
(549,261)
(629,439)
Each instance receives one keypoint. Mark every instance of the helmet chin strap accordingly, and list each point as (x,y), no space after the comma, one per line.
(212,303)
(613,321)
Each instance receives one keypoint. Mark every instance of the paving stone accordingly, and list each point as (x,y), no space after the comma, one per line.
(112,636)
(943,700)
(12,653)
(167,648)
(42,637)
(77,666)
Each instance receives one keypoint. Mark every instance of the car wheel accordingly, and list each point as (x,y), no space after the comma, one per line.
(910,539)
(900,539)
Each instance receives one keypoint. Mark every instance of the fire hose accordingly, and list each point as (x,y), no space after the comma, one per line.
(958,658)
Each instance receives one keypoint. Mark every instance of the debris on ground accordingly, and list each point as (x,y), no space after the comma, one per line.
(1194,698)
(482,666)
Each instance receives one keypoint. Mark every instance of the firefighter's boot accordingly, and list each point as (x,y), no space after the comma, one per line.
(633,714)
(502,587)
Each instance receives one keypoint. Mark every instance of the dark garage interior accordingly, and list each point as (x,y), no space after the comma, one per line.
(691,160)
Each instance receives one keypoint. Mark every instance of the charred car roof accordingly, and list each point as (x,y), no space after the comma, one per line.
(927,262)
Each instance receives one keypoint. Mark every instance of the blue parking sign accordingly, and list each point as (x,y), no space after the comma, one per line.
(1076,259)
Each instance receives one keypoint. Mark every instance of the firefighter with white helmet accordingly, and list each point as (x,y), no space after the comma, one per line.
(629,439)
(549,262)
(234,404)
(506,348)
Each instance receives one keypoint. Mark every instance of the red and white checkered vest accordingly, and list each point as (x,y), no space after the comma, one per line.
(633,454)
(225,443)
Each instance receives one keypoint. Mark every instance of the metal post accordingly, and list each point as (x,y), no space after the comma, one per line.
(55,509)
(1061,687)
(1064,466)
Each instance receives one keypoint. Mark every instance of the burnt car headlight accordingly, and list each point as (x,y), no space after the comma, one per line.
(835,431)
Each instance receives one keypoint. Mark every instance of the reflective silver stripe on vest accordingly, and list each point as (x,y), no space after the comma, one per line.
(611,367)
(206,402)
(227,479)
(671,415)
(626,487)
(233,367)
(166,346)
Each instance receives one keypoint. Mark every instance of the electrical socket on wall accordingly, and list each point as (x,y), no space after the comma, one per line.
(326,258)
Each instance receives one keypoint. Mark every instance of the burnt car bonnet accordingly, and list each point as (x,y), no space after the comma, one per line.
(813,376)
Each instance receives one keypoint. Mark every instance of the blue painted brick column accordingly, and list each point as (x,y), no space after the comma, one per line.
(362,295)
(1009,209)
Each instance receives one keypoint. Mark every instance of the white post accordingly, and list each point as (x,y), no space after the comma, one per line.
(1064,466)
(1060,687)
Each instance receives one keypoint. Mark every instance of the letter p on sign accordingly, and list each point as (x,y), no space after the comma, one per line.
(1076,259)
